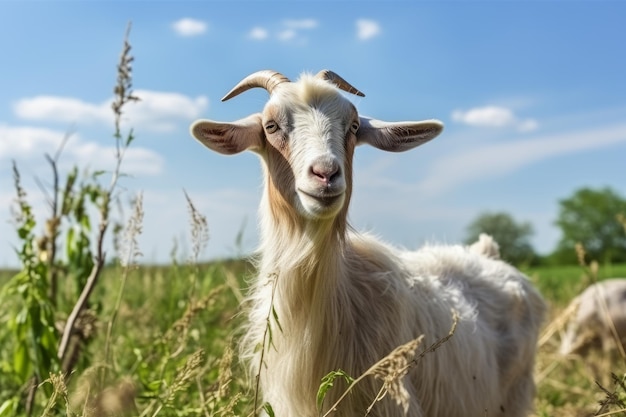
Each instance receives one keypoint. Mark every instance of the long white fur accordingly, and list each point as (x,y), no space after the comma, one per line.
(344,300)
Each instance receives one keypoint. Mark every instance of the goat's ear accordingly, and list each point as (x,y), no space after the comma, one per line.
(230,138)
(397,136)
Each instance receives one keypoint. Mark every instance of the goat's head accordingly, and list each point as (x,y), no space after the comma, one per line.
(306,135)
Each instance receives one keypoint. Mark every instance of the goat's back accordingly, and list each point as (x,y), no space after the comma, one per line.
(491,353)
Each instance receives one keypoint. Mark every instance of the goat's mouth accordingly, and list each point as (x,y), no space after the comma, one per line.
(324,200)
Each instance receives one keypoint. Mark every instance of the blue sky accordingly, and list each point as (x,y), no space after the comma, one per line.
(532,94)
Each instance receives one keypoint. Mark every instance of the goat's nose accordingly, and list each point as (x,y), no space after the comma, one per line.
(325,171)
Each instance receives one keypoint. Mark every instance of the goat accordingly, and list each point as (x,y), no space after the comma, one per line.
(344,300)
(599,319)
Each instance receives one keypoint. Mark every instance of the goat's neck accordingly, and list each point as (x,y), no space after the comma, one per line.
(305,257)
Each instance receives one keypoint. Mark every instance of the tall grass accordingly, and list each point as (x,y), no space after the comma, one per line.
(82,339)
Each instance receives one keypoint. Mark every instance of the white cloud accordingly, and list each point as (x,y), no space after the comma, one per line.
(155,111)
(290,30)
(367,29)
(258,33)
(286,34)
(29,144)
(485,116)
(137,161)
(502,158)
(527,125)
(300,24)
(160,111)
(24,141)
(61,109)
(493,116)
(189,27)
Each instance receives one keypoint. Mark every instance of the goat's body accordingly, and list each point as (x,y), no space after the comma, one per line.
(362,299)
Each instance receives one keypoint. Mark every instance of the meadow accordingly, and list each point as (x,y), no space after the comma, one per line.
(86,338)
(172,350)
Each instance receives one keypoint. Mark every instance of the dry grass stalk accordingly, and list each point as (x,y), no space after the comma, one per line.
(123,92)
(219,391)
(180,328)
(225,374)
(199,229)
(580,254)
(612,413)
(58,389)
(233,284)
(229,409)
(129,246)
(185,374)
(392,368)
(133,229)
(612,398)
(558,323)
(199,239)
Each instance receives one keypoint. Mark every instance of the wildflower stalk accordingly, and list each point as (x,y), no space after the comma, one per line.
(123,95)
(199,239)
(133,229)
(53,223)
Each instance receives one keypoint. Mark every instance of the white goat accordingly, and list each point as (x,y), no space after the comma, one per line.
(345,300)
(599,320)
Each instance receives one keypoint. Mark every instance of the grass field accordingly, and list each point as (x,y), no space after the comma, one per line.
(171,349)
(162,340)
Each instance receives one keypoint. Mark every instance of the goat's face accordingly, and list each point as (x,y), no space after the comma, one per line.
(309,138)
(306,135)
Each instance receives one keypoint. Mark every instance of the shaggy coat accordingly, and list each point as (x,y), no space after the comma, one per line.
(337,299)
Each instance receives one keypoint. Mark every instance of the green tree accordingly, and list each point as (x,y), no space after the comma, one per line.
(590,217)
(512,237)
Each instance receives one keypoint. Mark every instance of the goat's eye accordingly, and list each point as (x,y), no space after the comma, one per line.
(354,127)
(271,126)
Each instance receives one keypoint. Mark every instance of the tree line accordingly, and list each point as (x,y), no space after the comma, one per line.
(593,218)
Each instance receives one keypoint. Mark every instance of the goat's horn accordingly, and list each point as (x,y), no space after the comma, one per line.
(339,82)
(267,79)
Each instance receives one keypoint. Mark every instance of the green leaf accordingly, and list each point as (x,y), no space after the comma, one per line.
(130,138)
(276,319)
(269,410)
(9,407)
(328,382)
(69,242)
(154,386)
(21,362)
